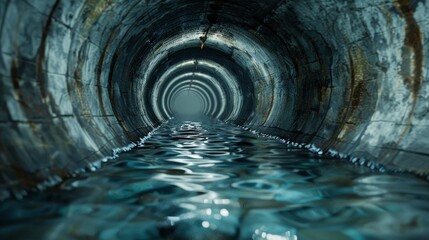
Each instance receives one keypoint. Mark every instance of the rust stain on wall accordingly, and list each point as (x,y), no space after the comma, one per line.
(40,61)
(412,44)
(93,10)
(357,95)
(413,41)
(359,67)
(78,84)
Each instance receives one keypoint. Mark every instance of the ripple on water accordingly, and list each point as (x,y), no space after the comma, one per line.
(193,161)
(132,189)
(256,185)
(214,181)
(391,180)
(192,177)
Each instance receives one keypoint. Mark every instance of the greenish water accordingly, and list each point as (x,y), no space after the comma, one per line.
(193,180)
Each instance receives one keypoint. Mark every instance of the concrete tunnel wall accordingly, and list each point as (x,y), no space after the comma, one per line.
(80,78)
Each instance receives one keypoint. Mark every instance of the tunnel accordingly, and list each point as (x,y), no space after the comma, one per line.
(83,79)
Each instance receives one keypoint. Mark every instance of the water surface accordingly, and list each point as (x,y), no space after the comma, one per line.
(194,180)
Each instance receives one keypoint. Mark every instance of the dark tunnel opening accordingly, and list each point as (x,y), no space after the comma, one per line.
(80,78)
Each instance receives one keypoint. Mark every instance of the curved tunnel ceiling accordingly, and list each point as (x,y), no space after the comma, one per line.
(80,78)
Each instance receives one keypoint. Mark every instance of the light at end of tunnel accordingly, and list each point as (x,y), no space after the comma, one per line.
(188,104)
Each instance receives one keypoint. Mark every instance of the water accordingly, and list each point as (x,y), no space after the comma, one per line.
(214,181)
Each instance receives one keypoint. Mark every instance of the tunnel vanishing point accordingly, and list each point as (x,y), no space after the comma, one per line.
(80,78)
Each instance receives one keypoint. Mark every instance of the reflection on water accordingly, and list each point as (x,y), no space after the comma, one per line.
(214,181)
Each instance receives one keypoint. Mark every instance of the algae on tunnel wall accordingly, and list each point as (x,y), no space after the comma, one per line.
(80,78)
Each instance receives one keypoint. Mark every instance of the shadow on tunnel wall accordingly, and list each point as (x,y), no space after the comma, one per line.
(80,78)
